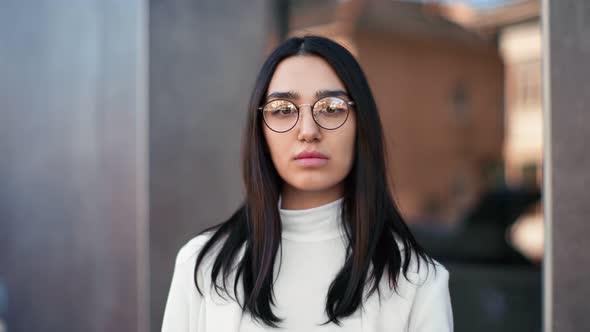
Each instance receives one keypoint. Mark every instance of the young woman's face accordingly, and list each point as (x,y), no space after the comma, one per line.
(301,79)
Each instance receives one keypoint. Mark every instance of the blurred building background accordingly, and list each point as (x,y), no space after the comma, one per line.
(120,135)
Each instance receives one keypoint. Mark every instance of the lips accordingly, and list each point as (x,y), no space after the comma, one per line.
(311,159)
(311,154)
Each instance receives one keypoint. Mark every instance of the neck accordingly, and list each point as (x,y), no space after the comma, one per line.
(295,199)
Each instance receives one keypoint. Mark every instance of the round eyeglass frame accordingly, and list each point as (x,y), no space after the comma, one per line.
(347,102)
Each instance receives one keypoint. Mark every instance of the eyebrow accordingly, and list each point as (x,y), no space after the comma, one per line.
(319,94)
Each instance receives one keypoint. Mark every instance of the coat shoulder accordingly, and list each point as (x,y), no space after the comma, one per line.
(190,250)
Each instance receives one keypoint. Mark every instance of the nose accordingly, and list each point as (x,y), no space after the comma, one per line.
(308,128)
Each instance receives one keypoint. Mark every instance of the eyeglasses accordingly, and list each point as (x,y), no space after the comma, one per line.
(329,113)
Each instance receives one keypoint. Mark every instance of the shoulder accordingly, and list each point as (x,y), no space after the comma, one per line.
(419,268)
(431,308)
(421,300)
(189,251)
(421,271)
(435,276)
(427,273)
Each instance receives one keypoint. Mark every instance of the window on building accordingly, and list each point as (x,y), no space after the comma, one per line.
(528,83)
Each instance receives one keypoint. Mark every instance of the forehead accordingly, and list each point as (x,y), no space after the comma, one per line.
(304,74)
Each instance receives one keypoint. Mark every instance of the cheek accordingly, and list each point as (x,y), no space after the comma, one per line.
(278,145)
(347,139)
(341,144)
(346,150)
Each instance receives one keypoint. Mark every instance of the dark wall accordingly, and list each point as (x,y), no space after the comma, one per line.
(567,100)
(73,162)
(204,56)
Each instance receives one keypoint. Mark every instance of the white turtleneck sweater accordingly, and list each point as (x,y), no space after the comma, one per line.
(313,251)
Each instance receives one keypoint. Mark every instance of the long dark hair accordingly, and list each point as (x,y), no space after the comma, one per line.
(369,213)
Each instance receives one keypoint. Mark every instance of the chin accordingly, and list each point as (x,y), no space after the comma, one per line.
(312,183)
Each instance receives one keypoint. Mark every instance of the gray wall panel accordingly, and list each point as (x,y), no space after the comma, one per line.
(567,27)
(73,223)
(204,56)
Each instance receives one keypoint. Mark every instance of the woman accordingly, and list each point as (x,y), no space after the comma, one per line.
(318,244)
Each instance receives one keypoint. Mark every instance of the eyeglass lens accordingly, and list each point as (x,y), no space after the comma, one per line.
(282,115)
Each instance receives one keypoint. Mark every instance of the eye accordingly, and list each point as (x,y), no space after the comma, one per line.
(331,106)
(332,109)
(285,111)
(280,108)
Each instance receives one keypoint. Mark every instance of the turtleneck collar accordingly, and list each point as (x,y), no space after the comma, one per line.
(314,224)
